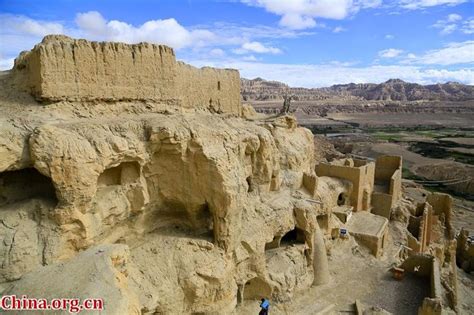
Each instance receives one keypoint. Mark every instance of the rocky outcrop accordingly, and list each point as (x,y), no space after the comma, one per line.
(391,90)
(204,206)
(399,90)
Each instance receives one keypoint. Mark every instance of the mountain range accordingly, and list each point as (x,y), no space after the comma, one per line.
(259,89)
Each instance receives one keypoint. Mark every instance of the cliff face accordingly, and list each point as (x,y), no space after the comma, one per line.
(127,166)
(392,90)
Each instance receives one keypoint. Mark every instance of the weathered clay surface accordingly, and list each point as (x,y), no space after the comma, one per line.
(62,68)
(166,167)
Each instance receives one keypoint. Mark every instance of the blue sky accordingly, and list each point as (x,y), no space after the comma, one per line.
(307,43)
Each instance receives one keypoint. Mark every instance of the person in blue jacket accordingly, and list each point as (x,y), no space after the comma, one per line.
(265,305)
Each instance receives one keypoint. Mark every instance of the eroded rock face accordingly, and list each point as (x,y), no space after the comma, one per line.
(208,208)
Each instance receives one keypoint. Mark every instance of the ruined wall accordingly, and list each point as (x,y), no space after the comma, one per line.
(382,204)
(396,184)
(62,68)
(361,177)
(216,89)
(385,167)
(442,207)
(388,181)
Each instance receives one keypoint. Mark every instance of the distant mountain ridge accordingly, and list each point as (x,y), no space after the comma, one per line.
(259,89)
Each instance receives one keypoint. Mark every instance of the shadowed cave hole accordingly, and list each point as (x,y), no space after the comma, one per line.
(174,218)
(295,236)
(249,184)
(124,173)
(341,199)
(25,184)
(256,288)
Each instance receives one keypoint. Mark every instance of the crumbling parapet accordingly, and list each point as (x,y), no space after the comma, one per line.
(465,251)
(442,206)
(65,69)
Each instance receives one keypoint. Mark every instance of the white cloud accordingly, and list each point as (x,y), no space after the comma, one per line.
(256,47)
(454,17)
(249,58)
(390,53)
(468,26)
(368,3)
(449,24)
(389,36)
(448,29)
(27,26)
(328,74)
(297,22)
(301,14)
(338,29)
(165,31)
(217,52)
(421,4)
(92,22)
(451,54)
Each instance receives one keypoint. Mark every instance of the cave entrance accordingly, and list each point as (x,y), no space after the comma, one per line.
(256,288)
(295,236)
(122,174)
(176,218)
(25,184)
(341,199)
(250,187)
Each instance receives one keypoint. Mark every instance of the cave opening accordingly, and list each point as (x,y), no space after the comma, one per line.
(122,174)
(24,184)
(250,187)
(295,236)
(341,199)
(256,288)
